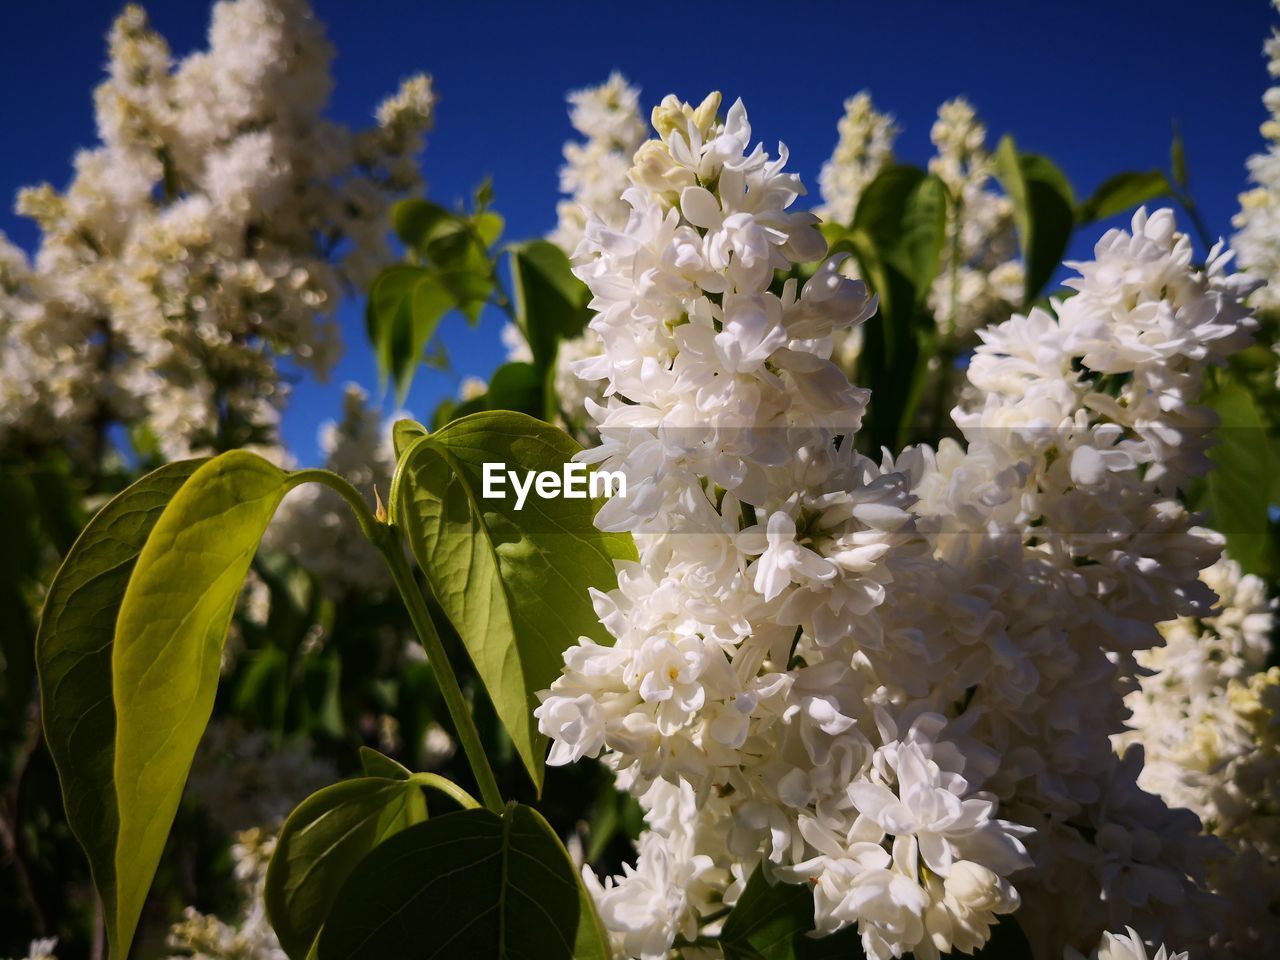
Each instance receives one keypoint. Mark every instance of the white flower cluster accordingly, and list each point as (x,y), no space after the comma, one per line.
(895,682)
(1258,222)
(594,175)
(1208,716)
(979,278)
(864,149)
(242,779)
(42,949)
(211,233)
(315,526)
(249,937)
(1126,946)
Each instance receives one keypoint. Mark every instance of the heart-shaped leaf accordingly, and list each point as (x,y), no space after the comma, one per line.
(470,884)
(513,577)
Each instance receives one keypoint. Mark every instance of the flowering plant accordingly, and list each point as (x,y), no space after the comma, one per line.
(927,615)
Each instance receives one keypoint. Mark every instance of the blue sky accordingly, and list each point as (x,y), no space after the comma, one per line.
(1095,84)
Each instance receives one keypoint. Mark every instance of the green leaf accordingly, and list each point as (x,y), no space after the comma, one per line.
(375,764)
(923,235)
(136,621)
(551,303)
(406,304)
(488,226)
(1043,211)
(513,582)
(1178,159)
(403,433)
(165,657)
(450,410)
(517,386)
(73,655)
(323,841)
(461,263)
(903,212)
(1123,192)
(772,922)
(1238,488)
(899,229)
(470,884)
(418,222)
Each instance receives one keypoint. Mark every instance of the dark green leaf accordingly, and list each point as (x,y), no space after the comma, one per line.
(1178,159)
(513,582)
(405,307)
(375,764)
(418,222)
(1043,211)
(470,884)
(923,232)
(1123,192)
(772,922)
(899,229)
(323,841)
(1238,487)
(551,303)
(517,386)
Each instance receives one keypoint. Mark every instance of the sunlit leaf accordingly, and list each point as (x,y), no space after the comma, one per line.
(513,581)
(73,655)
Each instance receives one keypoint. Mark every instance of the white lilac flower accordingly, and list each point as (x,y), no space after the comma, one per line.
(42,949)
(209,235)
(1257,240)
(979,278)
(248,936)
(864,149)
(896,682)
(1129,946)
(242,779)
(594,173)
(744,672)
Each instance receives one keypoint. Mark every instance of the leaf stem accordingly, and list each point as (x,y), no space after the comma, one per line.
(450,789)
(1197,220)
(369,525)
(387,539)
(390,545)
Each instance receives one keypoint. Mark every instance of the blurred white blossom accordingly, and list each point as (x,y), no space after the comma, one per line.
(979,278)
(315,525)
(864,149)
(242,779)
(1257,240)
(248,936)
(209,236)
